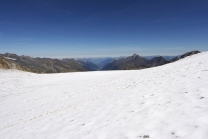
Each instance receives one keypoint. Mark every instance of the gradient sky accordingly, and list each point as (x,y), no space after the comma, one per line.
(99,28)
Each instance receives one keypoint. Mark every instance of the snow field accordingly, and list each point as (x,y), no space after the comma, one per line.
(165,102)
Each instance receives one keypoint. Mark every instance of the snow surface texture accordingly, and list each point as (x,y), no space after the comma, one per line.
(165,102)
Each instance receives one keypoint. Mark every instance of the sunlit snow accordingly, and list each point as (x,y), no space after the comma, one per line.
(166,102)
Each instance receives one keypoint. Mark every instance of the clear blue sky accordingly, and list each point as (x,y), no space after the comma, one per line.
(98,28)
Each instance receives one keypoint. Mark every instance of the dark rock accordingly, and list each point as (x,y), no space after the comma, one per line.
(146,136)
(185,55)
(134,62)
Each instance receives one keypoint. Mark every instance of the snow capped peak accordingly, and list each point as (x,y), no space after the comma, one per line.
(134,55)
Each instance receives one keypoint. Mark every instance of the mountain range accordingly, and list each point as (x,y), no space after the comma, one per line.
(134,62)
(45,65)
(49,65)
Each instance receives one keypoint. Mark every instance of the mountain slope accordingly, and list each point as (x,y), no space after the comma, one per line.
(167,58)
(5,63)
(157,61)
(134,62)
(184,55)
(46,65)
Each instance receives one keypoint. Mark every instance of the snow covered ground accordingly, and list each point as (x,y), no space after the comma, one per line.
(165,102)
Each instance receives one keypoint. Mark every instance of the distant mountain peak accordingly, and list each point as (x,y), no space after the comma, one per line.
(134,55)
(10,55)
(158,57)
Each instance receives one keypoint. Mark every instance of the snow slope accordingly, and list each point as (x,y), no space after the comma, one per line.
(165,102)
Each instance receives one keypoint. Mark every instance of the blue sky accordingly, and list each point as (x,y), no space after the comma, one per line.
(102,28)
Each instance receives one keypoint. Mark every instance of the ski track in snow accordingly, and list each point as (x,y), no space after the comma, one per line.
(166,102)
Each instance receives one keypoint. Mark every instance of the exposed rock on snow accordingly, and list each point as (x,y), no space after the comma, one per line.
(185,55)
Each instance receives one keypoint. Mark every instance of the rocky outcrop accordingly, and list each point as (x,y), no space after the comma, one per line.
(8,64)
(185,55)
